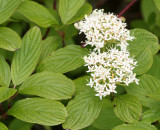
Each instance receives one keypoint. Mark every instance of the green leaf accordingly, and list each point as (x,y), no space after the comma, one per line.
(84,108)
(82,111)
(48,85)
(151,115)
(144,62)
(157,2)
(49,3)
(147,8)
(70,32)
(64,60)
(37,14)
(39,110)
(8,55)
(142,40)
(3,127)
(49,45)
(90,128)
(6,93)
(158,19)
(136,126)
(18,27)
(128,108)
(5,76)
(86,9)
(155,68)
(147,85)
(139,24)
(9,39)
(106,119)
(7,8)
(155,95)
(19,125)
(69,8)
(81,86)
(26,58)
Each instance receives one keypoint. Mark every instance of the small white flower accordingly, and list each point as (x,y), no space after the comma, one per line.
(91,83)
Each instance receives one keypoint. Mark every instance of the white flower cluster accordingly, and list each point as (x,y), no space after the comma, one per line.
(108,66)
(101,28)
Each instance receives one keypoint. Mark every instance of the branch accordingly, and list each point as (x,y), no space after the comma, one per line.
(126,8)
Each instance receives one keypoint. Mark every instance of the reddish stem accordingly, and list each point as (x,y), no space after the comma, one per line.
(46,34)
(83,45)
(100,3)
(62,34)
(4,115)
(126,8)
(54,4)
(10,101)
(48,30)
(1,109)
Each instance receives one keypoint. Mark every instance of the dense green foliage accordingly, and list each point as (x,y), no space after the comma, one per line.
(43,78)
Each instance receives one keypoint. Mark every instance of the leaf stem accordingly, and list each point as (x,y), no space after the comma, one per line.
(1,109)
(112,96)
(54,4)
(14,87)
(83,45)
(126,8)
(46,34)
(4,115)
(62,34)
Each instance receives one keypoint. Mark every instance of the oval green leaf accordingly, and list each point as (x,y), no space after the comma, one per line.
(82,111)
(20,125)
(157,2)
(106,119)
(5,76)
(39,110)
(148,8)
(64,60)
(37,14)
(48,85)
(84,108)
(26,58)
(142,40)
(136,126)
(155,68)
(128,108)
(147,85)
(9,39)
(3,127)
(49,45)
(69,8)
(6,93)
(151,115)
(144,62)
(86,9)
(7,8)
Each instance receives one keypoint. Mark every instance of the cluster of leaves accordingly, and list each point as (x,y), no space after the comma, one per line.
(45,73)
